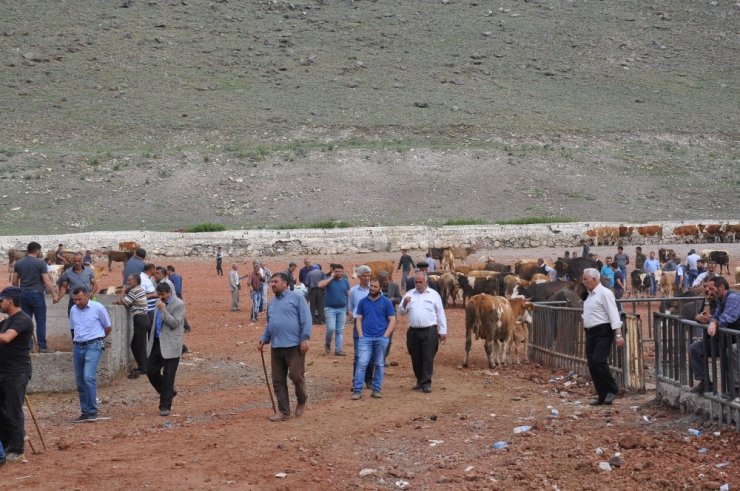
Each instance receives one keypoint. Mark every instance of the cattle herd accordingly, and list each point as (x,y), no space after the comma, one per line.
(683,234)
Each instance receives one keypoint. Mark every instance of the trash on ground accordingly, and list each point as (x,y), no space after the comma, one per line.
(605,466)
(694,432)
(500,445)
(281,475)
(367,472)
(522,429)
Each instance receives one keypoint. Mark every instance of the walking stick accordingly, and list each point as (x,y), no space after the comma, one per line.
(33,416)
(269,389)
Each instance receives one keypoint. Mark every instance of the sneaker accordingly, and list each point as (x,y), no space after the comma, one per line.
(376,394)
(91,418)
(596,403)
(427,389)
(46,350)
(14,457)
(80,419)
(279,417)
(340,353)
(356,396)
(609,398)
(416,387)
(327,349)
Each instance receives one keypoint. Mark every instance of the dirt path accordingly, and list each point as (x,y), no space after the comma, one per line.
(219,436)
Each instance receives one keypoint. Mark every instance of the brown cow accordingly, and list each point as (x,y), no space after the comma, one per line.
(521,310)
(510,282)
(448,287)
(649,231)
(686,233)
(737,274)
(467,268)
(525,268)
(492,319)
(119,257)
(607,235)
(130,246)
(375,268)
(66,255)
(13,256)
(625,233)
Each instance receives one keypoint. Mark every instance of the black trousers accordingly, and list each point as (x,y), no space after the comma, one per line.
(316,301)
(422,344)
(599,341)
(219,268)
(161,373)
(138,340)
(288,363)
(12,422)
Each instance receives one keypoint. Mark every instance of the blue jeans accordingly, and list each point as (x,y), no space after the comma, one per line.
(370,348)
(2,452)
(256,303)
(335,320)
(85,360)
(34,305)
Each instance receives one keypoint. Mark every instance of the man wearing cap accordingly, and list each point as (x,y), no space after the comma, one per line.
(31,275)
(76,276)
(91,324)
(427,328)
(410,281)
(406,264)
(15,371)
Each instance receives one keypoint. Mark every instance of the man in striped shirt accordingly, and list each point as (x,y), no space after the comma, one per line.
(134,298)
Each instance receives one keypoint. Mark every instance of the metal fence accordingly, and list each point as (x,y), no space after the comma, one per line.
(557,339)
(677,340)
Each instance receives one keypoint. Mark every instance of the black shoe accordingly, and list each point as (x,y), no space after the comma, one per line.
(596,403)
(609,398)
(427,389)
(80,419)
(184,349)
(416,387)
(700,388)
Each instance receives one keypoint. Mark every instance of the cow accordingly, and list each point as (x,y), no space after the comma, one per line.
(510,282)
(119,257)
(526,268)
(664,255)
(573,267)
(649,231)
(491,319)
(686,233)
(607,235)
(67,256)
(737,274)
(522,320)
(375,268)
(471,285)
(111,290)
(686,309)
(731,233)
(13,256)
(497,267)
(713,231)
(448,261)
(467,268)
(667,283)
(624,233)
(129,246)
(539,292)
(722,258)
(640,283)
(448,287)
(570,297)
(457,252)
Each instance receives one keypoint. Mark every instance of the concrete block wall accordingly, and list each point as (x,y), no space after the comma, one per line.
(54,372)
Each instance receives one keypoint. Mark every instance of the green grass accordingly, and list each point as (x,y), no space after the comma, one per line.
(465,221)
(206,227)
(531,220)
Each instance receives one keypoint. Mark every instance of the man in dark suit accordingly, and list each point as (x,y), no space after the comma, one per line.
(164,346)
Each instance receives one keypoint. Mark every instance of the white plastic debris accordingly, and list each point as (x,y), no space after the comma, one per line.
(281,475)
(434,443)
(401,484)
(522,429)
(599,451)
(469,468)
(367,472)
(605,466)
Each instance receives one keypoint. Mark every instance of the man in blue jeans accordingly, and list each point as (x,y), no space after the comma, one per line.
(31,276)
(376,318)
(91,324)
(336,299)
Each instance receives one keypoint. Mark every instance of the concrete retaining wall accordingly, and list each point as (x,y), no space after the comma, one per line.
(328,241)
(54,372)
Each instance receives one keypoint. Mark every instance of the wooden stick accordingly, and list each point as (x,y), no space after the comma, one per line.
(33,416)
(267,381)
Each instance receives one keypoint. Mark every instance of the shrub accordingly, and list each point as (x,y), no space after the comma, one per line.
(206,227)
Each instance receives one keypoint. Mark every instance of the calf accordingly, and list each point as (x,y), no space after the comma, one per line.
(667,283)
(492,319)
(375,268)
(520,335)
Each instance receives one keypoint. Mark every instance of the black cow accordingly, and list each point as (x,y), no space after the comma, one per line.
(574,267)
(473,286)
(498,267)
(539,292)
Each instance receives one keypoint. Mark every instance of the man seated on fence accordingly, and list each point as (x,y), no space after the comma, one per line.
(726,315)
(710,272)
(696,350)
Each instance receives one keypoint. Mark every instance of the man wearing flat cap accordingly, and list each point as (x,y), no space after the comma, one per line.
(15,371)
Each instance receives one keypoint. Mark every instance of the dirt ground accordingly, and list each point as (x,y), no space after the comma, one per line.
(218,436)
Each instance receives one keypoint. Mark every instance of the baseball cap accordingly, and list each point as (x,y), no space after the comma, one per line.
(10,292)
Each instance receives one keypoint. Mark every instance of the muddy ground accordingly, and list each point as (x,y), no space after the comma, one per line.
(218,436)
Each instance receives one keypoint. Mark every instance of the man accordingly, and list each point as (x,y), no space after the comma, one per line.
(88,259)
(59,258)
(680,283)
(357,293)
(135,265)
(150,288)
(76,276)
(671,264)
(603,327)
(315,295)
(709,273)
(595,257)
(726,315)
(427,329)
(30,274)
(288,330)
(90,322)
(160,276)
(691,263)
(650,267)
(219,261)
(289,273)
(586,247)
(696,349)
(307,268)
(164,346)
(376,318)
(545,269)
(336,299)
(176,280)
(134,298)
(640,259)
(234,286)
(430,262)
(15,372)
(619,283)
(256,281)
(622,260)
(266,275)
(405,264)
(607,274)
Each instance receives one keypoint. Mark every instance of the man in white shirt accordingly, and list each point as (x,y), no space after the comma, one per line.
(427,328)
(691,265)
(234,287)
(709,273)
(603,326)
